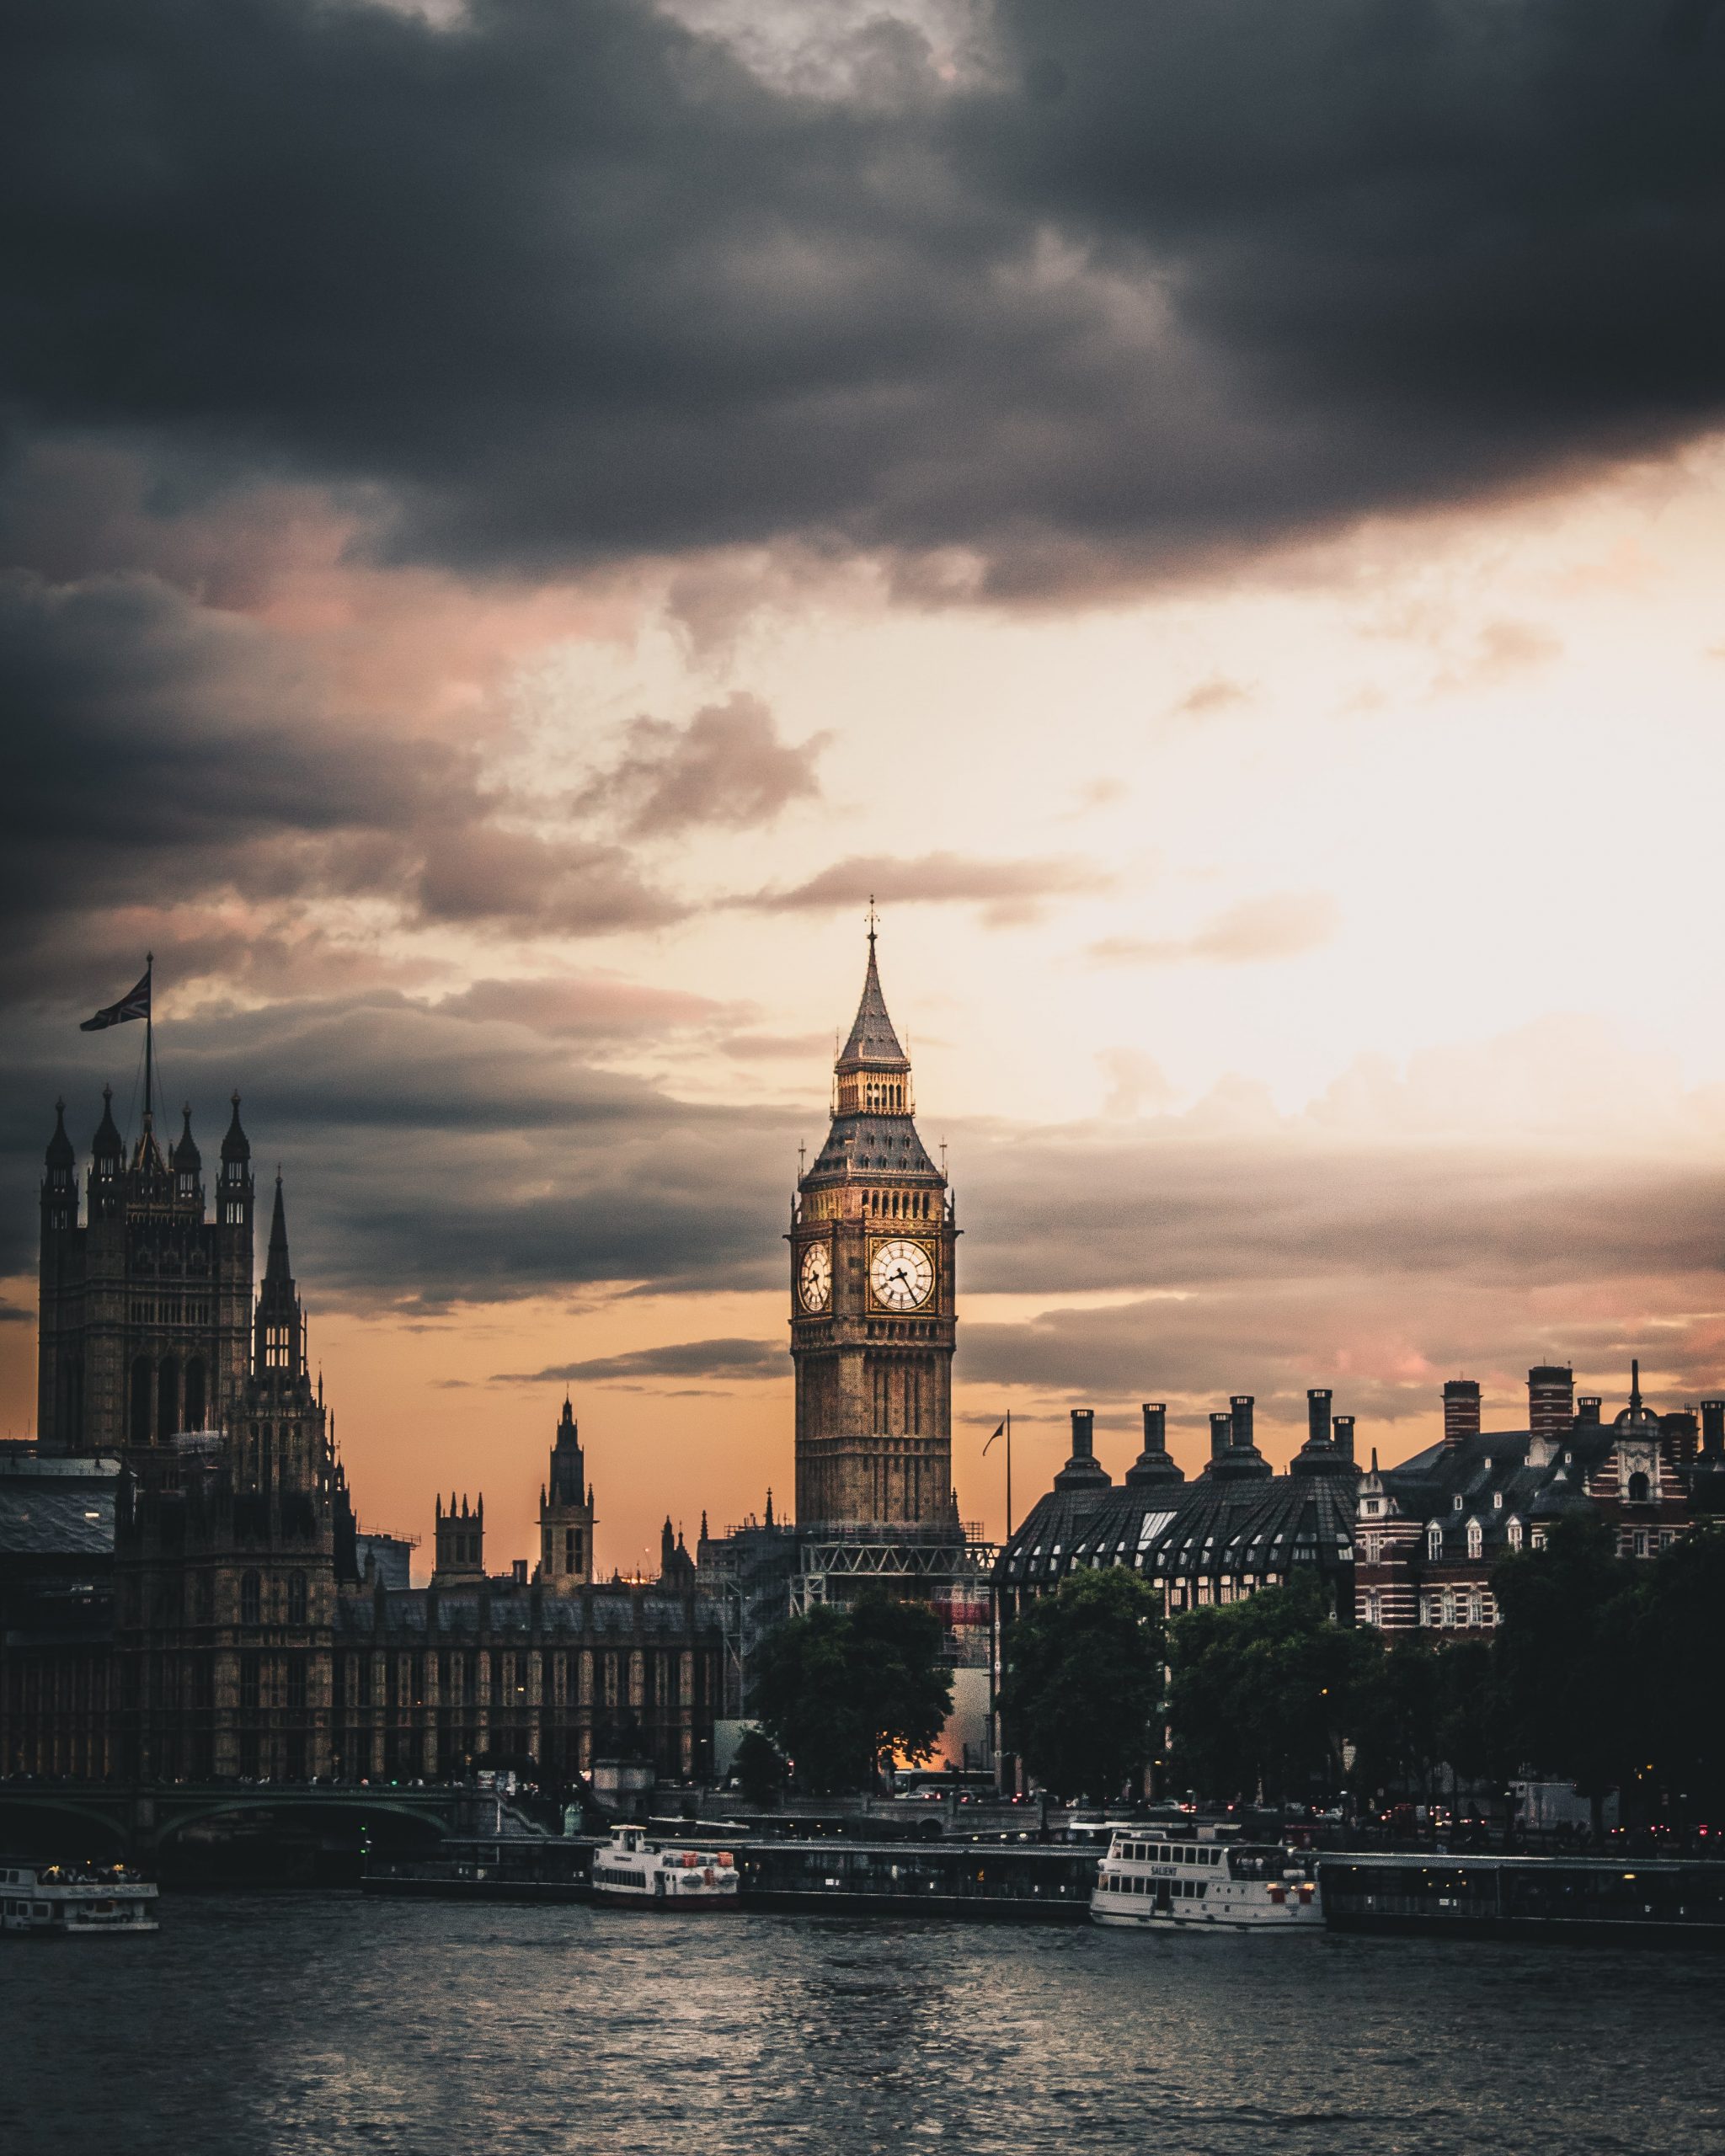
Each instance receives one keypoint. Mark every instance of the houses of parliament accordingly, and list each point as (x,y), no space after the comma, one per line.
(184,1591)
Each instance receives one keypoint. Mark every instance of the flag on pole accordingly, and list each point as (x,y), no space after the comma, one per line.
(1000,1432)
(136,1004)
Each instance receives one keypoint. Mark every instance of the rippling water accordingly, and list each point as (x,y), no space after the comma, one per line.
(254,2023)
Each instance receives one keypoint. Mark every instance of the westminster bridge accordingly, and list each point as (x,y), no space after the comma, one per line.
(297,1832)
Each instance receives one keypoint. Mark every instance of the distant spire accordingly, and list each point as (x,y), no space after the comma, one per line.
(107,1141)
(872,1043)
(1635,1385)
(236,1146)
(277,1267)
(61,1154)
(769,1507)
(185,1158)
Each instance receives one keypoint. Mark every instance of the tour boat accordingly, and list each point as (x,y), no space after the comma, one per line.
(1149,1883)
(60,1901)
(638,1871)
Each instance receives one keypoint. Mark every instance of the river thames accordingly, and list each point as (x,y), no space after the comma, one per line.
(257,2023)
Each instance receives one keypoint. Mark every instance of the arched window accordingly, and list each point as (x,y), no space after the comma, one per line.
(1515,1534)
(1637,1489)
(1434,1542)
(296,1597)
(1475,1538)
(195,1399)
(143,1389)
(166,1401)
(248,1599)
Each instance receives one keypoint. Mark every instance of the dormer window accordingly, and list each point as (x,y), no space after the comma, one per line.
(1455,1502)
(1475,1538)
(1515,1534)
(1497,1501)
(1434,1542)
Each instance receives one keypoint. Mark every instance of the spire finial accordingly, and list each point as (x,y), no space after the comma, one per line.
(873,920)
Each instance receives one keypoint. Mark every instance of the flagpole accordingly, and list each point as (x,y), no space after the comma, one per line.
(1009,1475)
(149,1030)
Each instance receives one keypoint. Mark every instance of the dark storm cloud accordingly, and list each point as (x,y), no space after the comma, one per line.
(158,753)
(567,280)
(745,1359)
(1168,1204)
(430,1159)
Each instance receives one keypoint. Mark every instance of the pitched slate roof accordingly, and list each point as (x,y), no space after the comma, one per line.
(1201,1529)
(56,1519)
(872,1144)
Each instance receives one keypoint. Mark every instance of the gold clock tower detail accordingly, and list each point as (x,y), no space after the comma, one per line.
(872,1320)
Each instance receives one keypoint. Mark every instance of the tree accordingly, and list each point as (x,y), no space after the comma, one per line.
(758,1766)
(1570,1689)
(1264,1693)
(840,1690)
(1083,1682)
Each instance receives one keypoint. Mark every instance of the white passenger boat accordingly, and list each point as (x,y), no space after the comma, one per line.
(640,1871)
(60,1900)
(1152,1883)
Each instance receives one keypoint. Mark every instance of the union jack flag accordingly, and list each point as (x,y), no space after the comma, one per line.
(136,1004)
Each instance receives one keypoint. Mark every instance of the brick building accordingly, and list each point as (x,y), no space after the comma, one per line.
(1431,1530)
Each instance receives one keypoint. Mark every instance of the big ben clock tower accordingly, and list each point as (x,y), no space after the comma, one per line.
(872,1320)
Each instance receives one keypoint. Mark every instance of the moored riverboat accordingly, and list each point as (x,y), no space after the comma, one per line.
(1150,1883)
(974,1880)
(637,1869)
(1653,1900)
(62,1901)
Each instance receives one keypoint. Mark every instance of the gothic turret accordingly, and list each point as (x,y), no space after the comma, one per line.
(187,1162)
(566,1513)
(459,1543)
(279,1348)
(107,1147)
(59,1178)
(872,1243)
(234,1198)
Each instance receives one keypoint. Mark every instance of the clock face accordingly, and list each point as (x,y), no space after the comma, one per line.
(901,1275)
(814,1276)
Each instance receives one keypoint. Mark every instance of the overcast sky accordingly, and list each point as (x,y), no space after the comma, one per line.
(516,518)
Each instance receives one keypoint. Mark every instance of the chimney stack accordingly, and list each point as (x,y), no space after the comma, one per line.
(1081,1470)
(1713,1430)
(1318,1400)
(1461,1411)
(1343,1428)
(1155,1463)
(1551,1402)
(1221,1434)
(1242,1404)
(1586,1411)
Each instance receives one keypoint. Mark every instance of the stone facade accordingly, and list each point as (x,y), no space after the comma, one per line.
(192,1603)
(873,1242)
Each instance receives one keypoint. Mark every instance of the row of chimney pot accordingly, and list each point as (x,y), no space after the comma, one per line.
(1553,1410)
(1231,1429)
